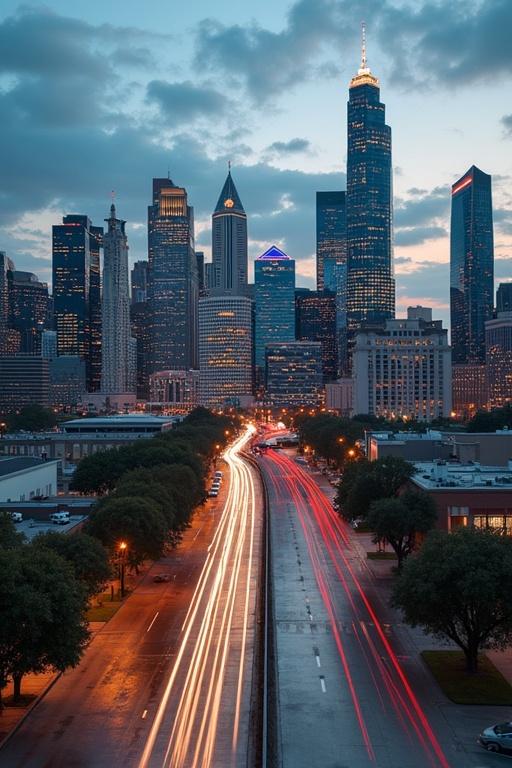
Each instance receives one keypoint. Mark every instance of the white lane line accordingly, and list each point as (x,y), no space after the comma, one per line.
(322,683)
(144,714)
(317,657)
(198,532)
(153,621)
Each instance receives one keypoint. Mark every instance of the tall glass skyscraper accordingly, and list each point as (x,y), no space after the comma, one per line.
(471,265)
(172,279)
(274,294)
(331,237)
(371,284)
(229,241)
(28,308)
(316,321)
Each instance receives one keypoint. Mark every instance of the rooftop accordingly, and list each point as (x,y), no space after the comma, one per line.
(472,476)
(18,463)
(273,254)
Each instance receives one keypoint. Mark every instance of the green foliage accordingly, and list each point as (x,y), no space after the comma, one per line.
(490,421)
(137,521)
(10,538)
(43,614)
(86,554)
(400,520)
(330,436)
(33,418)
(364,482)
(458,586)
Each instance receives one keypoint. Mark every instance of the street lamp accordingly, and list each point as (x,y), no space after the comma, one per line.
(351,453)
(122,556)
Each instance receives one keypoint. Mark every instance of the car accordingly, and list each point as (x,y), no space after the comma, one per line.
(160,578)
(497,738)
(213,492)
(60,518)
(219,474)
(16,517)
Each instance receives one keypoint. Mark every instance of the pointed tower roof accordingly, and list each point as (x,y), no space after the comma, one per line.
(273,254)
(229,200)
(364,75)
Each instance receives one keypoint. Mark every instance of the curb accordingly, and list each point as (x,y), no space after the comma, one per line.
(27,712)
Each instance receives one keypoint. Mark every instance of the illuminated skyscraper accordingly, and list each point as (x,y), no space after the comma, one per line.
(115,370)
(172,279)
(471,265)
(294,373)
(274,293)
(94,356)
(371,285)
(139,282)
(28,305)
(316,321)
(331,237)
(229,241)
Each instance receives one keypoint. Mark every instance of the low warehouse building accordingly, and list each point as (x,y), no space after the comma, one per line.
(24,477)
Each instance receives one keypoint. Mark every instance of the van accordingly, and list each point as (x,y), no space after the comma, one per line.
(60,518)
(16,517)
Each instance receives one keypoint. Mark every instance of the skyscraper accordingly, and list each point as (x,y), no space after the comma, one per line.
(225,351)
(504,297)
(274,280)
(498,343)
(229,241)
(471,265)
(172,279)
(28,305)
(139,282)
(316,321)
(294,373)
(331,237)
(371,285)
(115,362)
(75,269)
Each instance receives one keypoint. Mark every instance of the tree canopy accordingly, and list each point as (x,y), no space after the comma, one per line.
(86,554)
(10,538)
(33,418)
(458,587)
(364,482)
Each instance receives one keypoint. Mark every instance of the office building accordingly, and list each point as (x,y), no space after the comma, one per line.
(4,301)
(176,391)
(139,282)
(471,265)
(229,241)
(316,321)
(402,368)
(225,351)
(28,307)
(370,280)
(200,271)
(274,293)
(24,380)
(498,359)
(469,389)
(76,292)
(209,279)
(172,279)
(67,381)
(139,322)
(504,297)
(331,237)
(339,396)
(49,344)
(294,373)
(116,332)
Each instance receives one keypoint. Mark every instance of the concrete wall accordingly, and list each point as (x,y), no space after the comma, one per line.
(40,480)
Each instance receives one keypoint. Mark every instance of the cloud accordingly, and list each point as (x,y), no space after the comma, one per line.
(423,208)
(184,102)
(419,235)
(506,121)
(291,147)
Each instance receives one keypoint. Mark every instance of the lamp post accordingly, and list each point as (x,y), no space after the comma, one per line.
(122,555)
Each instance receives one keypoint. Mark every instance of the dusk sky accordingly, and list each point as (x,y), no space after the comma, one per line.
(100,96)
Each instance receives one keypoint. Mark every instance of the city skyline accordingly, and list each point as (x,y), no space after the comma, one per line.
(278,168)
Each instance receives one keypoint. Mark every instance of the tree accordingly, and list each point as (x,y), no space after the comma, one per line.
(364,482)
(458,586)
(10,538)
(43,614)
(138,521)
(400,520)
(33,418)
(86,554)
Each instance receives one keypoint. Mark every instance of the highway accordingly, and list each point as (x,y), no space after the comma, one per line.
(351,691)
(168,682)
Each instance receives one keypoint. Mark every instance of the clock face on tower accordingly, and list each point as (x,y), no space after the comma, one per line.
(228,203)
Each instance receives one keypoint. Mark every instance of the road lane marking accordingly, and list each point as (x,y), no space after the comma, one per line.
(153,621)
(198,532)
(322,684)
(144,714)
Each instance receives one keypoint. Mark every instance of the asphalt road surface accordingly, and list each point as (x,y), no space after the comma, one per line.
(351,692)
(168,681)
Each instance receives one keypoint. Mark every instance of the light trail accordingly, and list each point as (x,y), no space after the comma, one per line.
(316,514)
(187,721)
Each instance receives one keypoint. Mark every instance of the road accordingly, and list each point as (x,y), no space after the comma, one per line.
(168,681)
(351,690)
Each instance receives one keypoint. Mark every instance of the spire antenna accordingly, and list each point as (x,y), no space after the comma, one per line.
(229,166)
(364,62)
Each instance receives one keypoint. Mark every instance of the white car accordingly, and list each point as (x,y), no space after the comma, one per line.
(60,518)
(213,492)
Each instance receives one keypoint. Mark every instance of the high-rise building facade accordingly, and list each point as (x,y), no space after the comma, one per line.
(331,237)
(402,368)
(225,351)
(177,391)
(370,280)
(28,306)
(139,282)
(469,389)
(471,265)
(24,380)
(229,241)
(294,373)
(274,294)
(498,359)
(316,321)
(172,279)
(140,331)
(116,332)
(504,298)
(75,271)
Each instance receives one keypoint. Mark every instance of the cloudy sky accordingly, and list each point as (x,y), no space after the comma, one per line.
(98,96)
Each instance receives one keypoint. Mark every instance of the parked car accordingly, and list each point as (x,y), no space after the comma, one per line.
(60,518)
(497,738)
(213,492)
(218,473)
(160,578)
(16,517)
